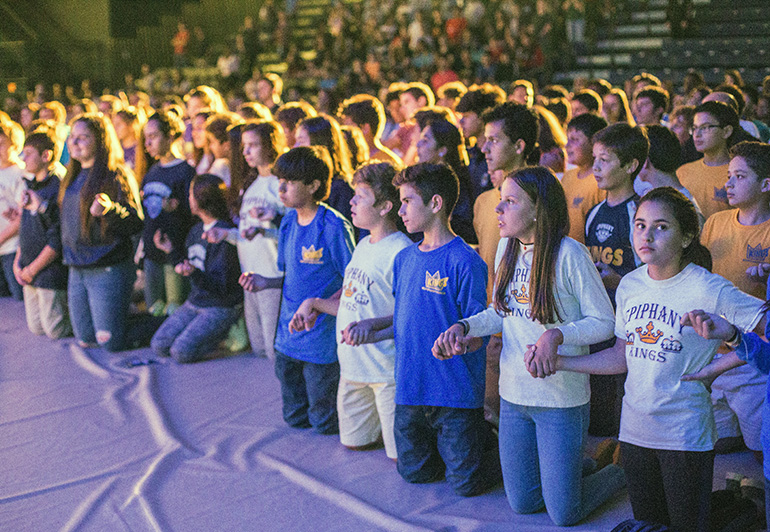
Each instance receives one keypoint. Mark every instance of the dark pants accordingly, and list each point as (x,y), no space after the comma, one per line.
(309,393)
(8,283)
(672,488)
(433,441)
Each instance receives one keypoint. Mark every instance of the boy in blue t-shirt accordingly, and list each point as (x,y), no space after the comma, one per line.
(439,424)
(620,151)
(315,244)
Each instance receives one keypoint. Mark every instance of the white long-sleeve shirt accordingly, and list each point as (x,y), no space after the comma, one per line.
(587,318)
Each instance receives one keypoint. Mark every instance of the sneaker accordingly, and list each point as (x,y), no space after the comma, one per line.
(237,338)
(157,309)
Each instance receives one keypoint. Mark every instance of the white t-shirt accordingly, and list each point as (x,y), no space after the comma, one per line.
(221,169)
(260,254)
(367,292)
(11,187)
(586,314)
(660,411)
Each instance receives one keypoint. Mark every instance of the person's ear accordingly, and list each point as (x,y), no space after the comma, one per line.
(314,186)
(385,207)
(765,185)
(631,166)
(727,131)
(436,203)
(519,146)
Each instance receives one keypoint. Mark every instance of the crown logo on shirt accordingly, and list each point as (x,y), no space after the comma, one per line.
(756,254)
(349,290)
(669,344)
(521,297)
(435,283)
(629,338)
(312,255)
(648,337)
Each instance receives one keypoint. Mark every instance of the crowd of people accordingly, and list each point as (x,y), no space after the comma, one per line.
(475,277)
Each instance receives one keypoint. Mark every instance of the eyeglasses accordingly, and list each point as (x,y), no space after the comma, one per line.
(701,129)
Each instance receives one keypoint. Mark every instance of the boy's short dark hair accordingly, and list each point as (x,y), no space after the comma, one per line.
(519,122)
(425,115)
(293,113)
(648,78)
(364,109)
(588,124)
(626,142)
(44,138)
(452,89)
(756,155)
(379,176)
(590,100)
(479,98)
(725,114)
(418,89)
(665,152)
(431,179)
(217,125)
(657,95)
(600,86)
(307,164)
(560,107)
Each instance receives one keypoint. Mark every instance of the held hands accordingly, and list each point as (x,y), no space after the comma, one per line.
(305,317)
(541,359)
(706,375)
(450,343)
(214,235)
(358,332)
(184,268)
(252,282)
(263,214)
(249,233)
(102,203)
(162,242)
(709,326)
(30,200)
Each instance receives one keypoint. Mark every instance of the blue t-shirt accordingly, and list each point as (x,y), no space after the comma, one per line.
(313,259)
(433,290)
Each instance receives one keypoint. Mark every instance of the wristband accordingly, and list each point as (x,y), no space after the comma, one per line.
(736,339)
(466,327)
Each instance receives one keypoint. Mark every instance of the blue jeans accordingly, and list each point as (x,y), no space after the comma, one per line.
(9,280)
(309,393)
(98,302)
(191,332)
(541,453)
(434,441)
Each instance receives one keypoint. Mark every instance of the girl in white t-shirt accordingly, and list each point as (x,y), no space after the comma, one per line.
(366,352)
(667,430)
(548,293)
(255,195)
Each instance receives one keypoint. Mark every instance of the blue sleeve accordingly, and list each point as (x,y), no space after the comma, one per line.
(472,290)
(221,266)
(53,229)
(282,236)
(755,351)
(341,245)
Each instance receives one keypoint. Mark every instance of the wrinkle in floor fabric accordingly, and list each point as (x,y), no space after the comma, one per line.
(88,444)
